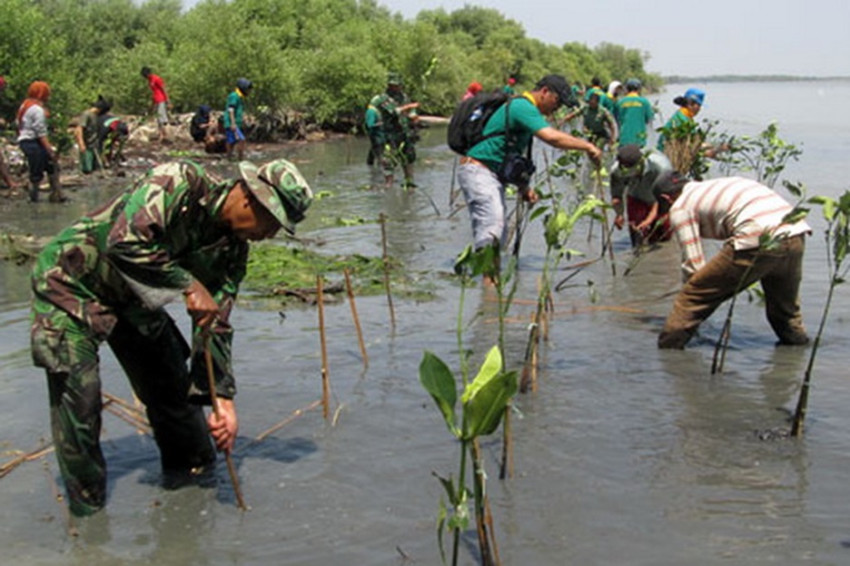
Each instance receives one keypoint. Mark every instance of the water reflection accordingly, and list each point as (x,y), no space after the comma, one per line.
(625,455)
(741,489)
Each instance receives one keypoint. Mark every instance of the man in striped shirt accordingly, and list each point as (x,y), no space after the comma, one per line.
(745,214)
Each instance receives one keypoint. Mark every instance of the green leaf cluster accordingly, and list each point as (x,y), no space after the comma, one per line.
(766,155)
(315,62)
(483,400)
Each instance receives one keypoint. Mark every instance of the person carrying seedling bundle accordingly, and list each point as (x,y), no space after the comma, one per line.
(234,111)
(689,105)
(178,232)
(491,162)
(87,135)
(741,212)
(33,141)
(639,180)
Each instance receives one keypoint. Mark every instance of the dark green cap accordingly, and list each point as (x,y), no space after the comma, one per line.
(281,188)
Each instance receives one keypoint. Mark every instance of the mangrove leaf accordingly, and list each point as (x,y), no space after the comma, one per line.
(437,379)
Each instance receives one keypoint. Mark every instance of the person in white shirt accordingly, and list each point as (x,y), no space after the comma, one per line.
(739,211)
(33,141)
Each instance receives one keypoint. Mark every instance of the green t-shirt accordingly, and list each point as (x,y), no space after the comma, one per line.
(634,112)
(234,100)
(675,120)
(525,120)
(605,101)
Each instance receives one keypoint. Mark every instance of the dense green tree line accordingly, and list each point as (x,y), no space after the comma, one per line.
(319,60)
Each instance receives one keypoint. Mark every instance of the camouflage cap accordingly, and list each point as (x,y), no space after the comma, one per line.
(394,78)
(279,186)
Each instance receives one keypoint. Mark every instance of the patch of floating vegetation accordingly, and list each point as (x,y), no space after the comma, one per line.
(289,272)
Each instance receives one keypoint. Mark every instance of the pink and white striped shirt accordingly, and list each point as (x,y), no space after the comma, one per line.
(730,208)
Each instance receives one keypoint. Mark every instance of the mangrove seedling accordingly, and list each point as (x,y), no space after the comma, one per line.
(837,234)
(765,155)
(558,227)
(483,402)
(684,144)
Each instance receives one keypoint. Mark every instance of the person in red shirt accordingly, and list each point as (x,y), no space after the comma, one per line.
(160,100)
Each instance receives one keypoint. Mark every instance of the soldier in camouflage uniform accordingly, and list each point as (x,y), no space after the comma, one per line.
(177,231)
(390,122)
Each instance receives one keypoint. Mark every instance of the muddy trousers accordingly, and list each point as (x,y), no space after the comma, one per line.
(779,271)
(39,163)
(156,367)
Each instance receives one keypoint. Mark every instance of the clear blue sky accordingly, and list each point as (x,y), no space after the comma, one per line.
(795,37)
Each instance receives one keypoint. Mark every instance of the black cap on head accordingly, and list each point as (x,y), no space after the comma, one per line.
(629,155)
(668,190)
(560,86)
(102,104)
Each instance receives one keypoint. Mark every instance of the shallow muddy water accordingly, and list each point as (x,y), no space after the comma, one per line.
(625,455)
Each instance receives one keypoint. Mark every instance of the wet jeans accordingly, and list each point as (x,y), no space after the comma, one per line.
(485,198)
(779,270)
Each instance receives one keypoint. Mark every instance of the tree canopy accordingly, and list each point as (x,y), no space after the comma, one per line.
(322,59)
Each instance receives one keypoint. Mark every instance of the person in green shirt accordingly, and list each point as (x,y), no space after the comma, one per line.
(391,121)
(689,105)
(509,131)
(634,114)
(599,124)
(604,99)
(87,135)
(234,111)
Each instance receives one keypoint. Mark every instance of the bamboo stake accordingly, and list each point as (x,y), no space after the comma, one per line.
(320,300)
(452,186)
(354,316)
(506,470)
(99,163)
(231,469)
(129,413)
(387,268)
(295,414)
(488,520)
(485,537)
(6,468)
(528,380)
(119,401)
(519,213)
(129,418)
(607,239)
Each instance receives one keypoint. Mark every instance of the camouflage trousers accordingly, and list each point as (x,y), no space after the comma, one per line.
(155,363)
(398,151)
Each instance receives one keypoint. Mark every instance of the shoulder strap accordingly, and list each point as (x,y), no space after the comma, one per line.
(510,140)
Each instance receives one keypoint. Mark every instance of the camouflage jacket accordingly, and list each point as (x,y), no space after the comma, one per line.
(140,251)
(386,117)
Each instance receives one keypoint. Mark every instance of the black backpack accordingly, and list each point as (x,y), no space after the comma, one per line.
(470,117)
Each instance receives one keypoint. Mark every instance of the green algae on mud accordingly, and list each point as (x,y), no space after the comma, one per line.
(286,271)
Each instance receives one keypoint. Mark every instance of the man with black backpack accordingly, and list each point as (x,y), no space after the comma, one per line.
(497,152)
